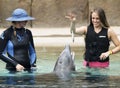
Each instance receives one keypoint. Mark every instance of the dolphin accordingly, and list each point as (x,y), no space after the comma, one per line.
(65,64)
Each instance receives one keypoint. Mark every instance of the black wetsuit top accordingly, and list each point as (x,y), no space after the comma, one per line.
(17,48)
(96,43)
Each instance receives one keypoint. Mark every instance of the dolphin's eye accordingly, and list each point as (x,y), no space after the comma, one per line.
(60,62)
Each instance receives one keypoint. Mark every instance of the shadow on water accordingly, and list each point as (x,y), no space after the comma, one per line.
(45,78)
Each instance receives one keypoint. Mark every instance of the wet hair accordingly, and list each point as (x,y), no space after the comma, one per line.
(101,15)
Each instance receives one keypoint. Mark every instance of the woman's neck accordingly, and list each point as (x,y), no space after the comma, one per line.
(97,29)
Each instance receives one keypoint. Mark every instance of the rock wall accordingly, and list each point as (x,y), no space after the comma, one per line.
(7,7)
(51,13)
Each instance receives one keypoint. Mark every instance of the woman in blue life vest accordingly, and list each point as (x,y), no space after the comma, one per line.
(16,43)
(98,35)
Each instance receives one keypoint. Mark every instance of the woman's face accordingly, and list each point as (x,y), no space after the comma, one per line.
(20,24)
(95,19)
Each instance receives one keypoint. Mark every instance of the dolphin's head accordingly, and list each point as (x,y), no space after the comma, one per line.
(65,62)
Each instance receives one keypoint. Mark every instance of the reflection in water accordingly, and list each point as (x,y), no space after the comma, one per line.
(15,80)
(45,78)
(50,80)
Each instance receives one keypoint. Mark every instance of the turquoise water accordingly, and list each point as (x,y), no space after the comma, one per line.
(44,77)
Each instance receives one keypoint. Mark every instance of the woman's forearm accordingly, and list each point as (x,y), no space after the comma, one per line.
(7,59)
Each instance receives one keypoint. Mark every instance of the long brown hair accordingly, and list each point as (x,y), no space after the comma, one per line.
(101,15)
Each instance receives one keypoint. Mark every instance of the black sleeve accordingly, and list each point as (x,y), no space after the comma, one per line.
(4,37)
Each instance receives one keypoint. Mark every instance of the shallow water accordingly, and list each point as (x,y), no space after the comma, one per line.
(45,78)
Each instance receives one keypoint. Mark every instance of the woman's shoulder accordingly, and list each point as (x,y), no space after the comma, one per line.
(8,30)
(6,33)
(28,31)
(110,30)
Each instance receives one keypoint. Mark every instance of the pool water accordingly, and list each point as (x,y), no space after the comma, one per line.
(44,77)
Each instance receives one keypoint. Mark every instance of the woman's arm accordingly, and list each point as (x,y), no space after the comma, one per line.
(32,51)
(80,31)
(3,57)
(113,37)
(115,40)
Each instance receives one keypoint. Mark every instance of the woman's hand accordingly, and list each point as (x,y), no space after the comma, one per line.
(103,56)
(71,16)
(19,67)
